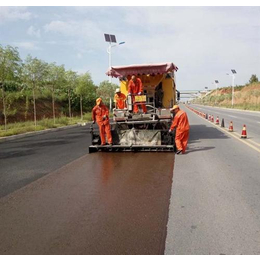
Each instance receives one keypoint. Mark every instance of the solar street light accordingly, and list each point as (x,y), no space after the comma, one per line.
(110,38)
(216,83)
(233,84)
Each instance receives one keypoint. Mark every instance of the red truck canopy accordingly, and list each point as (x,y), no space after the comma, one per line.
(158,68)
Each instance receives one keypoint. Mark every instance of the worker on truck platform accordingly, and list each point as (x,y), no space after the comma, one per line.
(135,87)
(181,123)
(120,99)
(100,114)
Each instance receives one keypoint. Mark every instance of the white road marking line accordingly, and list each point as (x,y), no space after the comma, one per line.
(232,116)
(249,140)
(224,130)
(253,142)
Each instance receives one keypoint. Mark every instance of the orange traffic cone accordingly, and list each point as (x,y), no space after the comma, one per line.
(217,121)
(230,129)
(244,135)
(212,119)
(209,117)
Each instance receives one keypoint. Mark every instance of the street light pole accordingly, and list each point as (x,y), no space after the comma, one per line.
(216,84)
(109,51)
(233,85)
(109,60)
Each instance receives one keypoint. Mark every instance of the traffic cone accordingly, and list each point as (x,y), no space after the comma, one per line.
(230,129)
(244,135)
(209,117)
(212,119)
(217,121)
(222,123)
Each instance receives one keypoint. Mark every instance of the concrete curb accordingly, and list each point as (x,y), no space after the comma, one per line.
(13,137)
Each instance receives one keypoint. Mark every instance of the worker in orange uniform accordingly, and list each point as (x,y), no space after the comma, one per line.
(181,123)
(120,99)
(135,87)
(100,114)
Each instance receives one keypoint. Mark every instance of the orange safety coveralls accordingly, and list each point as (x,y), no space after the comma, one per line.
(120,100)
(134,88)
(98,112)
(181,123)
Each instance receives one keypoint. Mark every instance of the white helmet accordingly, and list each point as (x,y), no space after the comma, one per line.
(118,90)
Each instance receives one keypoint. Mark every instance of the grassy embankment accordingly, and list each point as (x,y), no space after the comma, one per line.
(47,123)
(245,97)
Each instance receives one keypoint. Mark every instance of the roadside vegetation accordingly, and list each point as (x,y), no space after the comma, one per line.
(246,97)
(35,95)
(46,123)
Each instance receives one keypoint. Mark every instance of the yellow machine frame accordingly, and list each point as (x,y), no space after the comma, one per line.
(150,82)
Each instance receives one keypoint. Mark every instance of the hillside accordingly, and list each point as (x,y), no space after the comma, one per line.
(245,97)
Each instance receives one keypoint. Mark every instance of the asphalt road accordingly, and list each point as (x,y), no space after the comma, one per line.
(215,201)
(239,117)
(27,159)
(57,199)
(62,200)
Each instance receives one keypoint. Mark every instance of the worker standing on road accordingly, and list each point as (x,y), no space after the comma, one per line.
(181,123)
(120,99)
(100,114)
(135,87)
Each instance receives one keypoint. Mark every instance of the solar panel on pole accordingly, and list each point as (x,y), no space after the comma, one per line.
(113,38)
(107,37)
(233,71)
(216,81)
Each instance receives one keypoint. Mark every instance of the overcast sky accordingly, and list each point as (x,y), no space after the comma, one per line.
(205,43)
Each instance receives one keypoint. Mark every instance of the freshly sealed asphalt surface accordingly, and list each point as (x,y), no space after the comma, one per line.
(57,199)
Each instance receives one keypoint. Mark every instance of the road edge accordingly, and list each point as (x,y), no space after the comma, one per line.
(18,136)
(232,109)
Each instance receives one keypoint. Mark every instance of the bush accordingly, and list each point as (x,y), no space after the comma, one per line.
(62,120)
(239,87)
(87,116)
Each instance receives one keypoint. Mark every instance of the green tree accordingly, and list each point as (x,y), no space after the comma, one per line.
(55,78)
(106,91)
(85,90)
(253,79)
(33,73)
(71,78)
(10,64)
